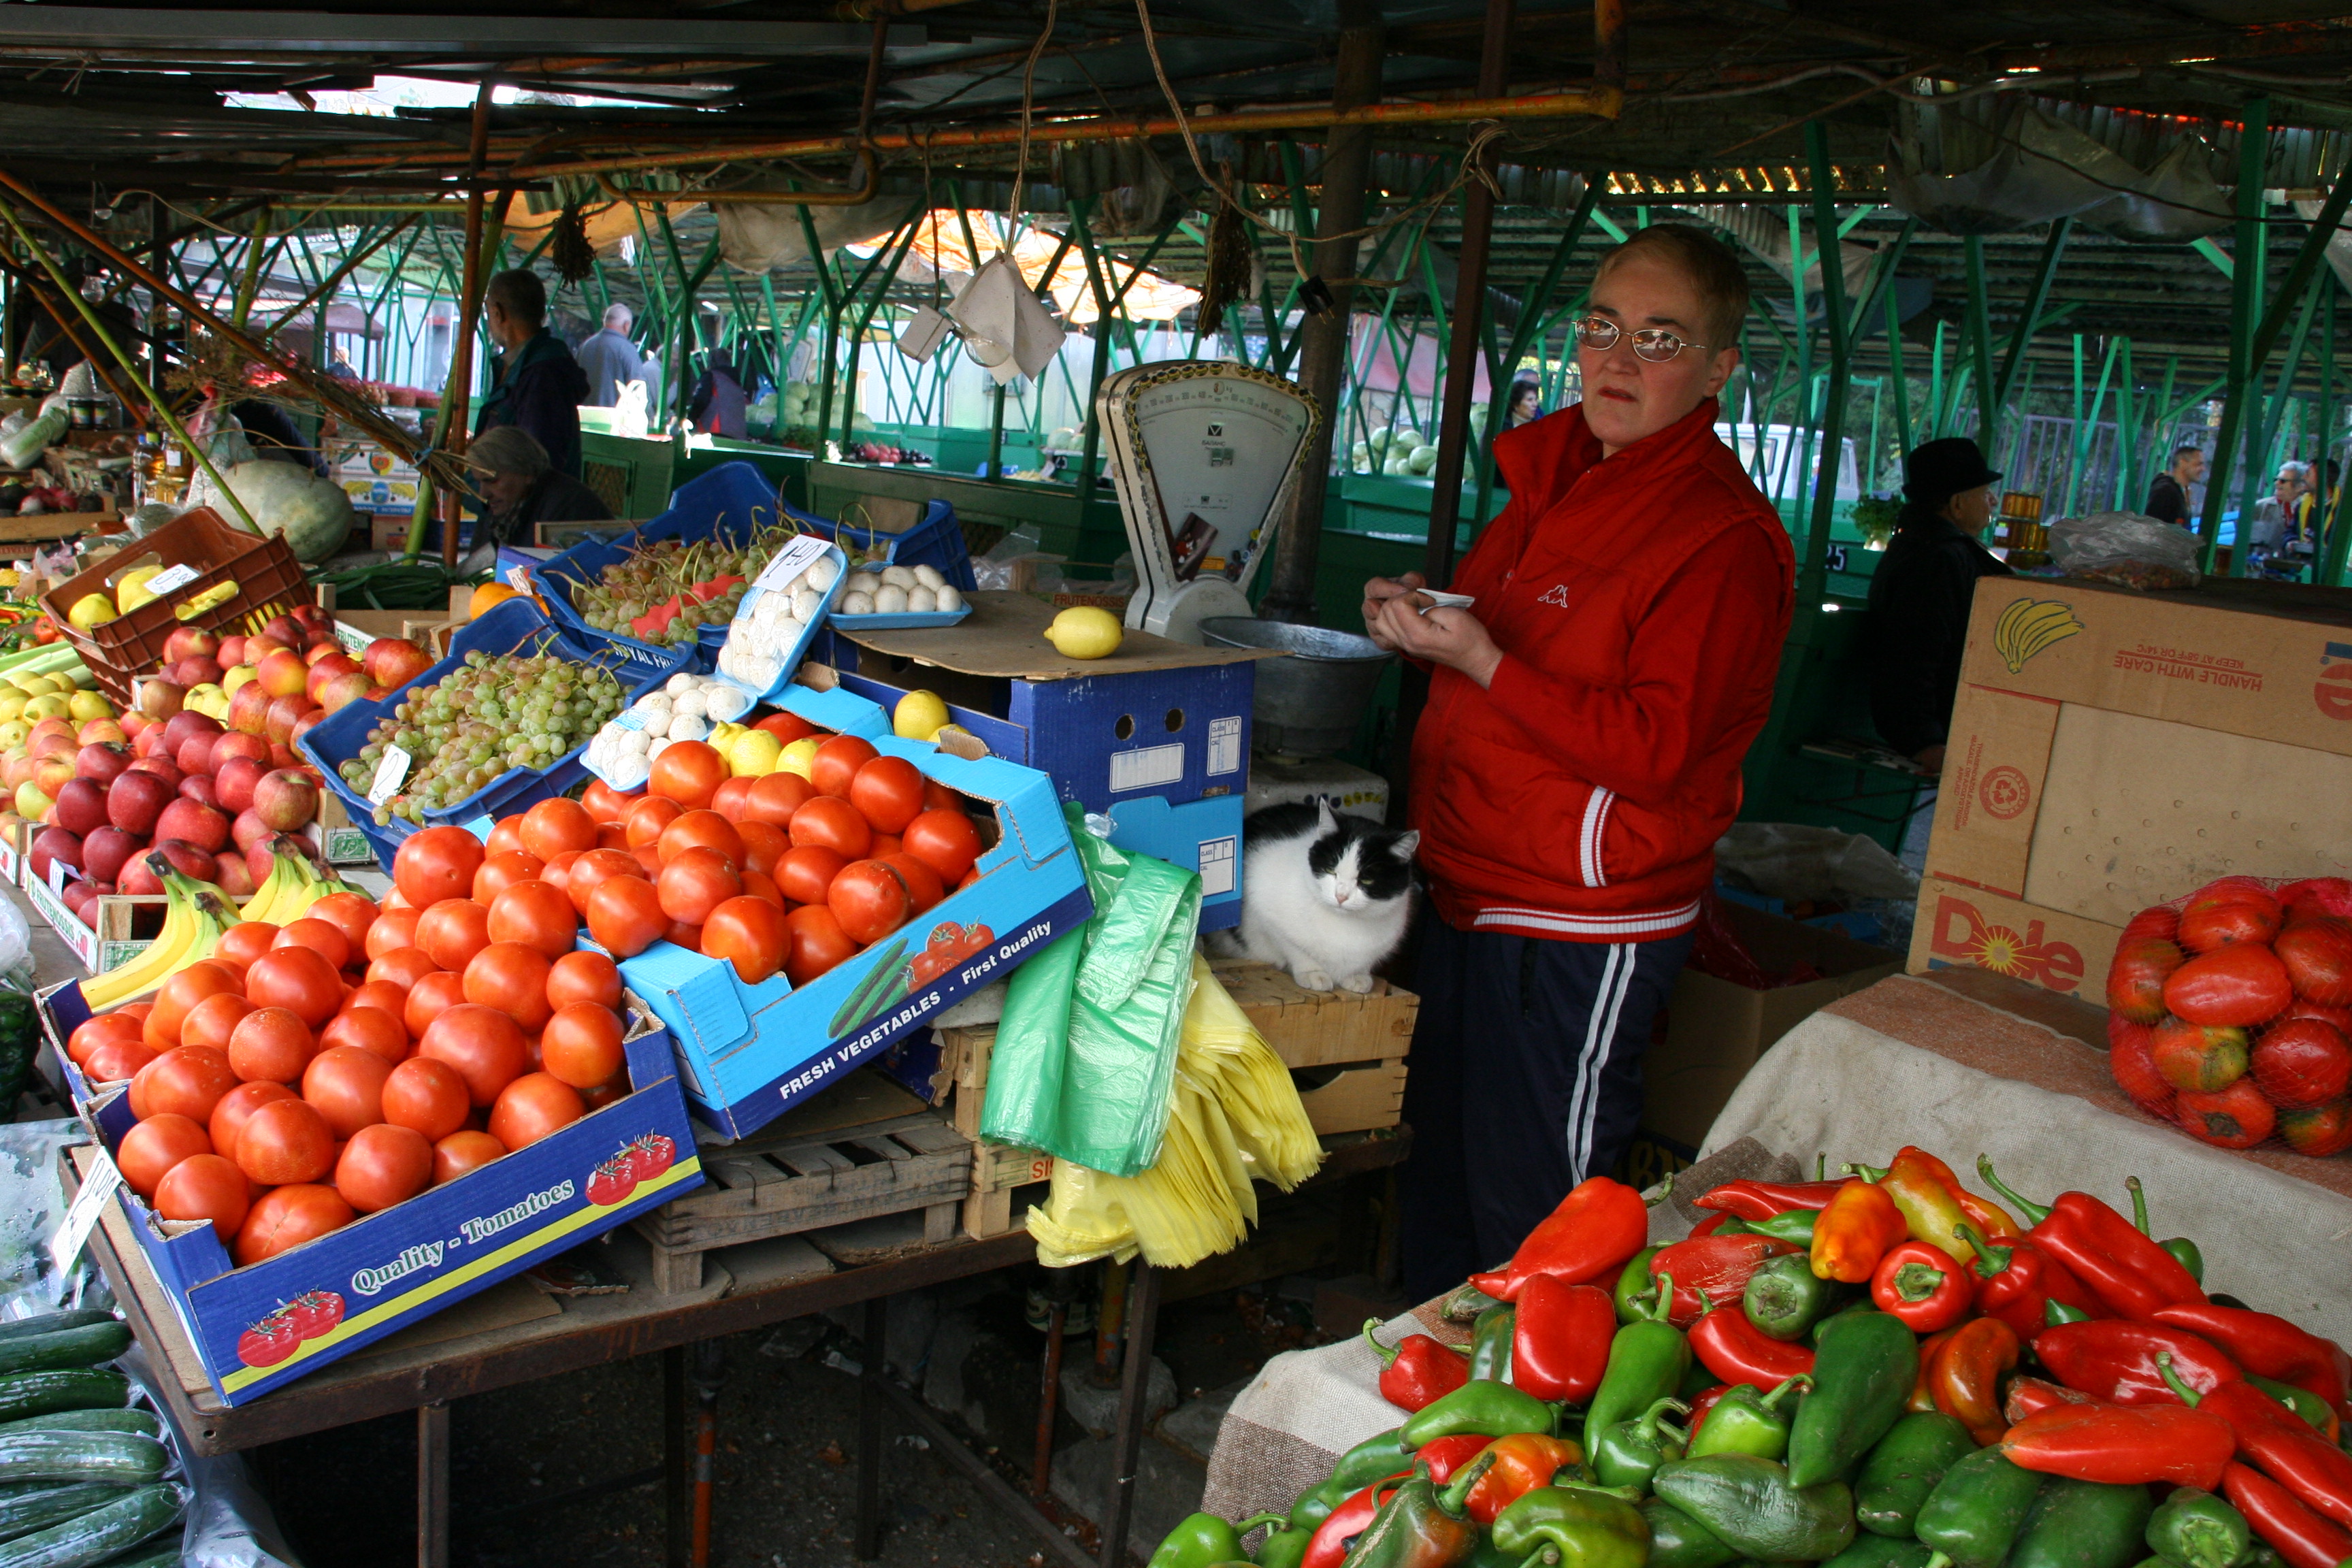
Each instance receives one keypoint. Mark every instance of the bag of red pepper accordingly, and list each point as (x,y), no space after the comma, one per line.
(2229,1013)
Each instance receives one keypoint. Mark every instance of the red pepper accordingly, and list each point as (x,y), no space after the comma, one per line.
(2015,1280)
(1420,1371)
(1922,1287)
(1597,1226)
(1762,1200)
(1922,1399)
(2266,1345)
(1560,1339)
(1523,1461)
(2283,1444)
(1710,1225)
(2300,1536)
(1965,1378)
(1720,1265)
(1444,1455)
(1701,1403)
(2032,1396)
(1736,1351)
(1991,1218)
(2123,1446)
(1338,1533)
(2131,1274)
(2116,1361)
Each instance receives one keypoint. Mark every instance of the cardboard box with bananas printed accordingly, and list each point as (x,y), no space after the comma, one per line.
(2112,749)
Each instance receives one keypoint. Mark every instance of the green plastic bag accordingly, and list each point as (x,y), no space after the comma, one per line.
(1085,1053)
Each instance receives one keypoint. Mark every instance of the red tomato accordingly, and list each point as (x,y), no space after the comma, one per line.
(393,930)
(818,943)
(2317,953)
(694,882)
(506,835)
(299,979)
(648,858)
(646,819)
(924,888)
(462,1151)
(557,873)
(883,845)
(937,797)
(2302,1063)
(687,772)
(2237,1117)
(756,886)
(2322,1130)
(612,835)
(323,937)
(624,916)
(429,998)
(2207,923)
(284,1219)
(2135,978)
(236,1107)
(453,930)
(732,798)
(538,915)
(701,830)
(485,1046)
(553,826)
(2198,1055)
(402,966)
(584,977)
(888,792)
(500,872)
(870,900)
(114,1060)
(681,934)
(153,1146)
(583,1044)
(286,1140)
(205,1187)
(426,1095)
(533,1106)
(270,1045)
(351,913)
(836,763)
(775,796)
(383,1165)
(371,1029)
(749,933)
(787,727)
(346,1084)
(589,872)
(834,825)
(2239,983)
(92,1032)
(605,803)
(243,943)
(187,1080)
(512,978)
(946,840)
(178,997)
(213,1020)
(437,863)
(381,995)
(806,871)
(764,844)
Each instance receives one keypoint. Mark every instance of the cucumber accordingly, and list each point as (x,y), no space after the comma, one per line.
(166,1556)
(97,1535)
(55,1322)
(38,1393)
(124,1458)
(53,1505)
(85,1346)
(143,1422)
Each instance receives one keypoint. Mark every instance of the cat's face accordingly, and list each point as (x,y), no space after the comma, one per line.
(1360,874)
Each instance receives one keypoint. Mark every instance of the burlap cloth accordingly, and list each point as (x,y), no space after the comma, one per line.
(1961,1062)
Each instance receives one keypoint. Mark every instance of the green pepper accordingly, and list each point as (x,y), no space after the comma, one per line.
(1464,1305)
(1373,1460)
(1490,1343)
(1864,1370)
(1906,1466)
(1646,1362)
(1487,1408)
(1590,1529)
(1284,1548)
(1632,1284)
(2082,1524)
(1628,1453)
(1747,1420)
(1870,1551)
(1974,1513)
(1678,1541)
(2194,1529)
(1420,1526)
(2186,1251)
(1785,1296)
(1823,1326)
(1753,1505)
(2302,1401)
(1203,1539)
(1698,1378)
(1796,1226)
(2055,1313)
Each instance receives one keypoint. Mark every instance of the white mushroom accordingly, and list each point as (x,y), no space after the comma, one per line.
(628,772)
(821,575)
(922,601)
(899,577)
(866,582)
(890,600)
(856,601)
(725,702)
(807,604)
(678,683)
(660,744)
(950,599)
(929,577)
(691,702)
(689,726)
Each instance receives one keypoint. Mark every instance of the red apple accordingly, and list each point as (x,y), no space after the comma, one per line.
(184,724)
(106,852)
(195,753)
(285,629)
(394,662)
(133,722)
(248,710)
(248,829)
(314,617)
(52,774)
(143,743)
(260,858)
(341,692)
(231,652)
(303,726)
(283,713)
(193,672)
(327,667)
(162,766)
(282,673)
(282,755)
(188,860)
(50,744)
(198,787)
(191,642)
(318,648)
(233,783)
(232,875)
(205,826)
(101,763)
(81,806)
(139,877)
(236,743)
(160,699)
(286,799)
(55,844)
(103,732)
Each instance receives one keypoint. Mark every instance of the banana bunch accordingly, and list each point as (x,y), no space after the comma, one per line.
(2029,625)
(193,919)
(293,885)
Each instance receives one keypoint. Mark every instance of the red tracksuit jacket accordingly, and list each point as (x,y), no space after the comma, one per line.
(1641,603)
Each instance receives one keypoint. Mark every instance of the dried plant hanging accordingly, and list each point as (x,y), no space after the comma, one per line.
(1231,262)
(568,248)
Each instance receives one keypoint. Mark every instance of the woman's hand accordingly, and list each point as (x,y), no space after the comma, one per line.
(1379,592)
(1453,638)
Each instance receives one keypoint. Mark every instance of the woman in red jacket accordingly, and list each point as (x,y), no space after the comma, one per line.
(1580,753)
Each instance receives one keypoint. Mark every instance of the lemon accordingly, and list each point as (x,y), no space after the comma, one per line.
(799,757)
(92,610)
(753,753)
(131,591)
(919,716)
(1085,631)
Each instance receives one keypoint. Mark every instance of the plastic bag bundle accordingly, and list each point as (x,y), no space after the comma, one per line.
(2126,548)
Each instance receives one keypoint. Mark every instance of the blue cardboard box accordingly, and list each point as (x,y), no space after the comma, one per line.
(262,1326)
(746,1053)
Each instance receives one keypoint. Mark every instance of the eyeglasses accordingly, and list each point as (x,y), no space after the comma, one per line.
(1655,344)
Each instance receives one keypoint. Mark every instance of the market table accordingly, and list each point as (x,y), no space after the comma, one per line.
(1959,1061)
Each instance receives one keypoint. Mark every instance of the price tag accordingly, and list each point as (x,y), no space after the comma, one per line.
(89,1204)
(173,577)
(630,721)
(390,774)
(791,561)
(519,579)
(58,877)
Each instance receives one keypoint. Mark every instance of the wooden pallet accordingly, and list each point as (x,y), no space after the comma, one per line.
(1361,1097)
(1322,1028)
(997,1169)
(793,1181)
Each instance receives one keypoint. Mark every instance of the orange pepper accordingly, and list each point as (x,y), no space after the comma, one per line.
(1854,1232)
(1965,1378)
(1989,1218)
(1923,1390)
(1523,1461)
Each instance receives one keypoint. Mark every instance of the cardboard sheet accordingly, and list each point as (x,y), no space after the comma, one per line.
(1004,637)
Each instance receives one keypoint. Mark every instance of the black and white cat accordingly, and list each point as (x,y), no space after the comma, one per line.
(1323,896)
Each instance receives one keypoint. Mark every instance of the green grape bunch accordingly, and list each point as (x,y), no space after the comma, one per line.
(706,580)
(494,713)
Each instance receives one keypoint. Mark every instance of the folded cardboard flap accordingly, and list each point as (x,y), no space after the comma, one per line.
(1004,638)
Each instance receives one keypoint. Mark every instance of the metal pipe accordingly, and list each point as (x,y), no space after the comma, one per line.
(1110,1324)
(866,1544)
(710,1372)
(1814,579)
(1135,1387)
(1049,1394)
(2245,302)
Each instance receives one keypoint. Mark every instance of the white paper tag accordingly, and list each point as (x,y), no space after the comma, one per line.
(173,577)
(58,877)
(89,1204)
(519,579)
(791,561)
(390,774)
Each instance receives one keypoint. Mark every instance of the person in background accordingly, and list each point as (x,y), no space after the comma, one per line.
(537,384)
(1580,752)
(341,365)
(718,404)
(1922,592)
(1526,403)
(519,489)
(2277,514)
(609,360)
(2167,494)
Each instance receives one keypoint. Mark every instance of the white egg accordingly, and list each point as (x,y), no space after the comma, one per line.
(863,582)
(678,683)
(890,600)
(899,577)
(821,575)
(922,601)
(856,601)
(929,577)
(950,599)
(806,606)
(689,726)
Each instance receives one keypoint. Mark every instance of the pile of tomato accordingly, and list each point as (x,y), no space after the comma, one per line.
(2229,1013)
(303,1076)
(777,872)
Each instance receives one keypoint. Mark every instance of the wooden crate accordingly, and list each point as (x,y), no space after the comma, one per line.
(1357,1099)
(793,1182)
(1322,1028)
(997,1170)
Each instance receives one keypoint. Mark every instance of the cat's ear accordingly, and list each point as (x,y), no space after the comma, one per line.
(1325,821)
(1407,843)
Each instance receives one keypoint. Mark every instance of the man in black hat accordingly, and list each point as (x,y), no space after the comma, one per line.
(1921,594)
